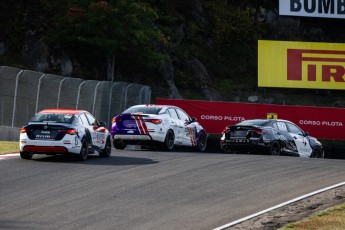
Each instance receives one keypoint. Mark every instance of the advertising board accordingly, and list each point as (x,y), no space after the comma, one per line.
(301,65)
(323,123)
(313,8)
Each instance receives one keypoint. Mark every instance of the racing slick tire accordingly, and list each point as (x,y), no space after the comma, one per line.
(26,155)
(119,144)
(317,153)
(275,148)
(84,151)
(169,141)
(201,142)
(106,152)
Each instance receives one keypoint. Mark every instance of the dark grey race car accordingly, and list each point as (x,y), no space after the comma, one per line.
(272,136)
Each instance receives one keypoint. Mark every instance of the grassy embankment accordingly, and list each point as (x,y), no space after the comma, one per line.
(330,219)
(9,147)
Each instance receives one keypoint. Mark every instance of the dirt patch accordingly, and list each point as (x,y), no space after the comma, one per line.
(296,211)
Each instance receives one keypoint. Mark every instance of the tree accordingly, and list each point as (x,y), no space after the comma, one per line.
(116,28)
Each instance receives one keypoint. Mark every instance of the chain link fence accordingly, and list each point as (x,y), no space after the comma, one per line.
(24,93)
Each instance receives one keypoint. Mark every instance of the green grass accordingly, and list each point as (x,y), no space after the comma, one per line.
(9,147)
(330,219)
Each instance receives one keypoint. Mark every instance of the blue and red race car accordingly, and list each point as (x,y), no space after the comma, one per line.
(164,126)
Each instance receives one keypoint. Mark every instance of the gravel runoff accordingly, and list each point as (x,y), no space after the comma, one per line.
(296,211)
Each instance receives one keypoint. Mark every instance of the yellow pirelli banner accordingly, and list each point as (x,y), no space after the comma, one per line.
(301,65)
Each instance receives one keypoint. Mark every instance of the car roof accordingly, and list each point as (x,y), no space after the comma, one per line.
(63,111)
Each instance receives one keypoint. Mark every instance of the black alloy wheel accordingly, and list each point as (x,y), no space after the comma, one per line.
(169,141)
(275,148)
(119,144)
(84,151)
(202,142)
(317,153)
(26,155)
(106,152)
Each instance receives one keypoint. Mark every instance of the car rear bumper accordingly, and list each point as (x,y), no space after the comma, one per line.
(249,146)
(132,137)
(49,147)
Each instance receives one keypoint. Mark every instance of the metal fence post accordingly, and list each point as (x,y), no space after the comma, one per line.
(126,91)
(38,92)
(15,97)
(94,99)
(58,100)
(81,84)
(110,98)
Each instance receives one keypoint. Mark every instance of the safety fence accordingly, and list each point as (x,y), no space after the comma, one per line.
(24,93)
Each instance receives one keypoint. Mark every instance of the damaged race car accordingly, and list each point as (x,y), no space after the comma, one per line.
(162,126)
(270,136)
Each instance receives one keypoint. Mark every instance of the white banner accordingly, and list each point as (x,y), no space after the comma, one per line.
(313,8)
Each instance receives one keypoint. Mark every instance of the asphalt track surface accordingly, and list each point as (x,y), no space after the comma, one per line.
(138,189)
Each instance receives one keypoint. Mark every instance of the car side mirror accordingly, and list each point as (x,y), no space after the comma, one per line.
(102,123)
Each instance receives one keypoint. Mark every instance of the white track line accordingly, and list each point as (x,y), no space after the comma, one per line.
(9,156)
(278,206)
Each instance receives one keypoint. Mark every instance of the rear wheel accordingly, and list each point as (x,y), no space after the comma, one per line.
(26,155)
(202,142)
(169,141)
(317,153)
(119,144)
(275,148)
(106,152)
(84,151)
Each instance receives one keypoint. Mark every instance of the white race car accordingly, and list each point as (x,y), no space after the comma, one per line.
(63,131)
(157,125)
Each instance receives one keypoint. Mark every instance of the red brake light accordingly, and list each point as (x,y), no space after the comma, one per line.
(257,131)
(116,119)
(69,131)
(23,130)
(154,121)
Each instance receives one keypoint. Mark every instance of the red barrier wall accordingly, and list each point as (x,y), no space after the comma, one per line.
(320,122)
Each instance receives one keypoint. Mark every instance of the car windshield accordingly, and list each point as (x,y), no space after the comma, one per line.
(254,122)
(53,117)
(144,109)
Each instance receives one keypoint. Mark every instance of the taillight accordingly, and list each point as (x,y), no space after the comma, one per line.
(257,131)
(23,130)
(154,121)
(69,131)
(225,131)
(116,119)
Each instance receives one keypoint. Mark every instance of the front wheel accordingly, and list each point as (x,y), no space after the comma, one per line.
(106,152)
(169,141)
(275,148)
(26,155)
(317,153)
(201,142)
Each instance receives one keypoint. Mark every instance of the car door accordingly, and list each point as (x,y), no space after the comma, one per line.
(189,130)
(98,133)
(176,125)
(284,136)
(303,146)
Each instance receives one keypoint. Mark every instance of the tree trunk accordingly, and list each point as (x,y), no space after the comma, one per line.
(111,67)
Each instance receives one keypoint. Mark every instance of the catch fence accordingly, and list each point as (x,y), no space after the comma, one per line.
(24,93)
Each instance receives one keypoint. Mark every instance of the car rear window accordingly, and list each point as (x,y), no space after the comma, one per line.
(254,122)
(145,110)
(53,117)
